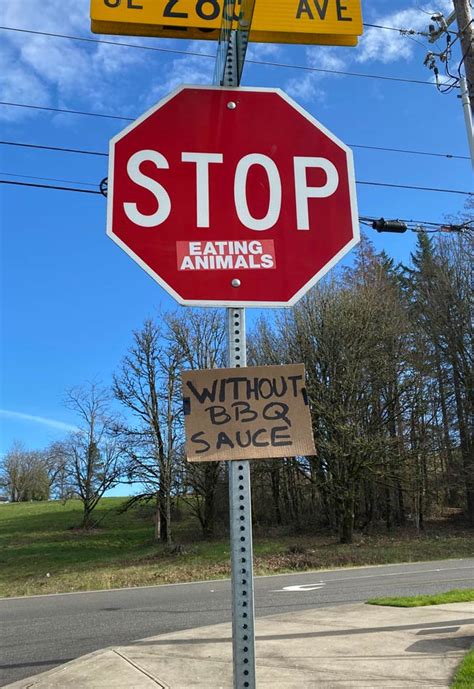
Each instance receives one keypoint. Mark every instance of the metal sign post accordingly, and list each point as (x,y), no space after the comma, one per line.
(229,65)
(240,505)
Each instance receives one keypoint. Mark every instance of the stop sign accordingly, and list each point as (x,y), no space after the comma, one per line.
(231,196)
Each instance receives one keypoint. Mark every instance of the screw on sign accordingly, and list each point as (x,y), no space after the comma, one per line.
(232,196)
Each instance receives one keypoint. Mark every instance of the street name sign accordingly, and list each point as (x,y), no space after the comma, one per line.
(324,22)
(257,412)
(231,196)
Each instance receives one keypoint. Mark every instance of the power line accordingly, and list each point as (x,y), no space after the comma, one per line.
(392,28)
(408,186)
(371,148)
(122,44)
(148,47)
(64,110)
(48,186)
(49,179)
(401,226)
(54,148)
(378,184)
(265,63)
(362,219)
(405,150)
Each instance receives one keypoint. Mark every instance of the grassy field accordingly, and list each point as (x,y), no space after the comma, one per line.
(454,596)
(42,551)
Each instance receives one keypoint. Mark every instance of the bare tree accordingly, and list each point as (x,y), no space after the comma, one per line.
(92,455)
(147,385)
(197,337)
(24,474)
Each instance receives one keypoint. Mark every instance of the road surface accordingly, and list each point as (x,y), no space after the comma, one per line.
(40,632)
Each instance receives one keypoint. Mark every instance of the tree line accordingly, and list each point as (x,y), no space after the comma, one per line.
(388,355)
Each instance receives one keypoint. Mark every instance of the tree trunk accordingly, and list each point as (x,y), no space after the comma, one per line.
(347,518)
(275,482)
(87,522)
(464,439)
(157,535)
(211,473)
(451,492)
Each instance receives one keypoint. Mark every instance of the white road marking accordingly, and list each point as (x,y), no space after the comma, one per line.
(301,587)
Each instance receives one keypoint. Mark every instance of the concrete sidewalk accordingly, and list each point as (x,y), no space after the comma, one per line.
(344,646)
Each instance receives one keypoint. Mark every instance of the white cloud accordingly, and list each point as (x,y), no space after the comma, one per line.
(186,69)
(306,86)
(376,45)
(45,70)
(53,71)
(390,46)
(51,423)
(263,51)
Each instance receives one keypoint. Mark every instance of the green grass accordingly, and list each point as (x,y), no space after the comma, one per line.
(464,677)
(41,539)
(454,596)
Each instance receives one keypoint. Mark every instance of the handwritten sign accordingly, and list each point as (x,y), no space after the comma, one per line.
(331,22)
(259,412)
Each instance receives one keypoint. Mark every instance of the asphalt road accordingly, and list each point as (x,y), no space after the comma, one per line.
(39,632)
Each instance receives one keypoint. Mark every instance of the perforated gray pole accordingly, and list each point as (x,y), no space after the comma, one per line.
(229,65)
(240,502)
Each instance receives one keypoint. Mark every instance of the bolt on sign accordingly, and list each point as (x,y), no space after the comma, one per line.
(322,22)
(258,412)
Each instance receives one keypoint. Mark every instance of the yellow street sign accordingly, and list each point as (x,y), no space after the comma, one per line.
(327,22)
(192,33)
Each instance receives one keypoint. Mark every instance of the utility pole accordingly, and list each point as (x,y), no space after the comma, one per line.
(466,34)
(462,14)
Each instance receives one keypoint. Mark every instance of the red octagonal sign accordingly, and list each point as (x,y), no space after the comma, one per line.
(232,196)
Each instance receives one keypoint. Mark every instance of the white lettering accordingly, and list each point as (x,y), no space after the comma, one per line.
(255,248)
(240,192)
(303,192)
(240,262)
(195,248)
(159,192)
(202,161)
(187,264)
(223,262)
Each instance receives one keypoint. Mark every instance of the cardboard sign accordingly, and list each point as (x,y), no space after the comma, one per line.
(259,412)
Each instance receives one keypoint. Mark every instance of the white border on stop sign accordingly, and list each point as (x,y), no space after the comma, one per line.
(237,302)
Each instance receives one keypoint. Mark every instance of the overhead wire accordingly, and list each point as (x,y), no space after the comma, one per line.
(61,149)
(49,186)
(410,186)
(418,226)
(363,146)
(49,179)
(65,110)
(363,219)
(407,32)
(266,63)
(378,184)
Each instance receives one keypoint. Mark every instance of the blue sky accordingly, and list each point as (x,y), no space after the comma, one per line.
(70,298)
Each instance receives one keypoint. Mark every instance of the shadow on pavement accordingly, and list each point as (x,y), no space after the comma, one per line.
(309,635)
(440,646)
(36,663)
